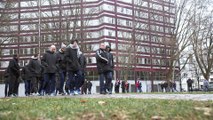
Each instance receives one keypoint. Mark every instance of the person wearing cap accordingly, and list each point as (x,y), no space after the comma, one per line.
(34,67)
(61,65)
(13,73)
(75,78)
(49,62)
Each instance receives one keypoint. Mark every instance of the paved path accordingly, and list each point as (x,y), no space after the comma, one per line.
(196,97)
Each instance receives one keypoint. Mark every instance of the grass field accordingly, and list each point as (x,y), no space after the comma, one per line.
(103,109)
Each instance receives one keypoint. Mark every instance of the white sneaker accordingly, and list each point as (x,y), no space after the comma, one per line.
(75,92)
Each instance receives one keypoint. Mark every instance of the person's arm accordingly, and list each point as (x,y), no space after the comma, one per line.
(99,57)
(43,61)
(112,61)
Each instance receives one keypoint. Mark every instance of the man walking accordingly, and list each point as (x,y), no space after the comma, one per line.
(13,73)
(72,55)
(34,67)
(189,84)
(49,62)
(61,65)
(117,86)
(109,84)
(104,69)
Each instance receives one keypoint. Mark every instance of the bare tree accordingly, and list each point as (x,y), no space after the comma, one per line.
(202,40)
(179,38)
(131,46)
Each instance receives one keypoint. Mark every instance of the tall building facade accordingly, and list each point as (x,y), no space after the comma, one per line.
(136,30)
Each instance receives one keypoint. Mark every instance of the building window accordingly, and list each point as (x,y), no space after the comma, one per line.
(144,15)
(108,7)
(128,23)
(147,61)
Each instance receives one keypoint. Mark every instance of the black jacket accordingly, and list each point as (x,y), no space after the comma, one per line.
(25,73)
(71,58)
(49,62)
(34,67)
(110,61)
(61,63)
(102,61)
(82,61)
(13,68)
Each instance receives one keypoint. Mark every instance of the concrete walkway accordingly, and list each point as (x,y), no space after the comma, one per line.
(195,97)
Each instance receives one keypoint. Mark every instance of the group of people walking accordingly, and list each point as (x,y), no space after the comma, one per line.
(57,72)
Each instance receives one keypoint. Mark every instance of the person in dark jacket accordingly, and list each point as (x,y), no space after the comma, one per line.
(104,69)
(102,61)
(49,62)
(27,77)
(61,65)
(34,67)
(127,86)
(189,84)
(123,86)
(117,86)
(13,73)
(82,61)
(109,84)
(72,55)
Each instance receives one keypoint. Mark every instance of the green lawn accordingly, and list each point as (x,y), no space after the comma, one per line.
(103,109)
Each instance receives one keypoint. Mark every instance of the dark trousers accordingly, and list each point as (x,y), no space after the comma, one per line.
(6,90)
(13,85)
(74,80)
(49,83)
(41,83)
(107,76)
(82,79)
(116,88)
(89,90)
(123,89)
(27,84)
(34,84)
(62,76)
(190,88)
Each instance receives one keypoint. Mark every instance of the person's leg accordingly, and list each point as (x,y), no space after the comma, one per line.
(45,87)
(102,86)
(63,76)
(12,82)
(78,81)
(6,89)
(15,92)
(52,84)
(108,76)
(41,82)
(71,82)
